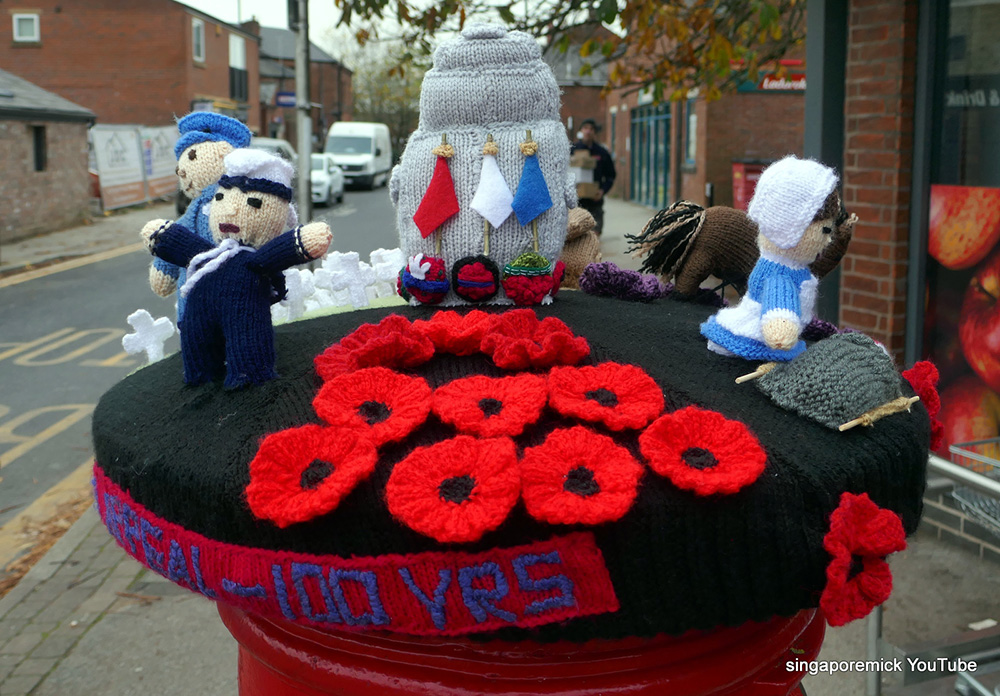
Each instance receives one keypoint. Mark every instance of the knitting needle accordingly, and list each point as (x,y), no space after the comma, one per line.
(437,235)
(486,223)
(759,372)
(865,418)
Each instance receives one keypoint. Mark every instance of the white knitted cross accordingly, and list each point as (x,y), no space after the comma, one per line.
(300,286)
(348,273)
(387,264)
(149,335)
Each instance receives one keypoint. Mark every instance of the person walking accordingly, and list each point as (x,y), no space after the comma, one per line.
(604,171)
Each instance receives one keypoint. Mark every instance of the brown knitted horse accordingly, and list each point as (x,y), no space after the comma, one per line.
(688,243)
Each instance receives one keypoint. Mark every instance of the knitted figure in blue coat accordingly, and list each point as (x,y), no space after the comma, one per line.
(795,206)
(205,139)
(226,329)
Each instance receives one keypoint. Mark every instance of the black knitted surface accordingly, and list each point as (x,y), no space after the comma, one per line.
(677,561)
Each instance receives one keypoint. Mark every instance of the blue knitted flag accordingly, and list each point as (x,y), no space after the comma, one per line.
(532,197)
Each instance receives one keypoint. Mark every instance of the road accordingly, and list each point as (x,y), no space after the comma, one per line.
(60,349)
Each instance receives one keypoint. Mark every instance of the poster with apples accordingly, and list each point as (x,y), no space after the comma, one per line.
(962,323)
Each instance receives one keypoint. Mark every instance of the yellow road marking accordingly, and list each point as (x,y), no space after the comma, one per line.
(7,436)
(12,540)
(71,264)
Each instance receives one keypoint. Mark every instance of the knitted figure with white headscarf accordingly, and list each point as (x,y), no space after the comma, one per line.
(226,329)
(205,140)
(795,206)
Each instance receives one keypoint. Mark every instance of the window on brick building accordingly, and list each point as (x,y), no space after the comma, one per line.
(238,68)
(198,39)
(38,143)
(690,134)
(27,27)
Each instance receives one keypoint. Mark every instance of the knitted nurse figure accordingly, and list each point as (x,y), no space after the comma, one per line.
(226,329)
(795,207)
(205,139)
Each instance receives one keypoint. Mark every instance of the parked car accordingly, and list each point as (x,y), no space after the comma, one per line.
(276,146)
(327,180)
(363,150)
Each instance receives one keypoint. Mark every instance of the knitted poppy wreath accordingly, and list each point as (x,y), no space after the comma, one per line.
(567,472)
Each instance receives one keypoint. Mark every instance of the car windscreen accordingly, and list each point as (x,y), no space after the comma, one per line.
(349,145)
(317,163)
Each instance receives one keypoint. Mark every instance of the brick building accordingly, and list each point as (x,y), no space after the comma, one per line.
(329,87)
(140,63)
(581,94)
(685,150)
(43,145)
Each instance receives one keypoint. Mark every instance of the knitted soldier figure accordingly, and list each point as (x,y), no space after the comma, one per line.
(795,206)
(205,139)
(227,328)
(488,82)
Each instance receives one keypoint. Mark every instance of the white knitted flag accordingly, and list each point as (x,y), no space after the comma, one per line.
(493,197)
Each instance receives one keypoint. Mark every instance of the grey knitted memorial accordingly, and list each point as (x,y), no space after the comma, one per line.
(835,380)
(489,81)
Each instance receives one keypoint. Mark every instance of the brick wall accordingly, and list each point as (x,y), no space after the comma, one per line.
(751,125)
(48,200)
(878,154)
(582,102)
(122,64)
(127,62)
(324,89)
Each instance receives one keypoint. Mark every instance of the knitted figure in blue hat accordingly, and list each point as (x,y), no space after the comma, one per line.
(226,329)
(795,206)
(205,139)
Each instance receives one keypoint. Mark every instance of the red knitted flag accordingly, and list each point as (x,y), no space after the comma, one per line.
(439,203)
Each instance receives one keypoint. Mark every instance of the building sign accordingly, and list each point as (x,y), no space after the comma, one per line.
(119,165)
(286,99)
(158,160)
(791,82)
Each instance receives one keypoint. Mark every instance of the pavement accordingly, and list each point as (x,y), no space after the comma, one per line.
(88,620)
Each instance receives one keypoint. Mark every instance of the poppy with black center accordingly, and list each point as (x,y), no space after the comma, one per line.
(315,474)
(457,489)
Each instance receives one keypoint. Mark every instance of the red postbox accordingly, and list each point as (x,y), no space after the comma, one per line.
(280,658)
(746,172)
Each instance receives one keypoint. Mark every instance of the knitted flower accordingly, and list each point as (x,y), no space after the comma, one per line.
(703,451)
(923,378)
(455,490)
(527,290)
(489,407)
(578,476)
(475,278)
(393,342)
(858,579)
(518,341)
(451,332)
(301,473)
(619,396)
(385,404)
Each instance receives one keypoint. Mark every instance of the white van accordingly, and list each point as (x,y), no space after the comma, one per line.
(362,150)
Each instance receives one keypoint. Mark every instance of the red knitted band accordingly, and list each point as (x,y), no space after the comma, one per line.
(430,593)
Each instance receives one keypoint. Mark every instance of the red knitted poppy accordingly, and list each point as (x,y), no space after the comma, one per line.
(455,490)
(858,579)
(517,340)
(387,405)
(578,476)
(558,273)
(393,342)
(923,377)
(527,290)
(703,451)
(619,396)
(488,406)
(302,473)
(451,332)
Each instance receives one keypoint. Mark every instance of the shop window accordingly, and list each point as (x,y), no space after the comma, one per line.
(27,28)
(197,40)
(40,150)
